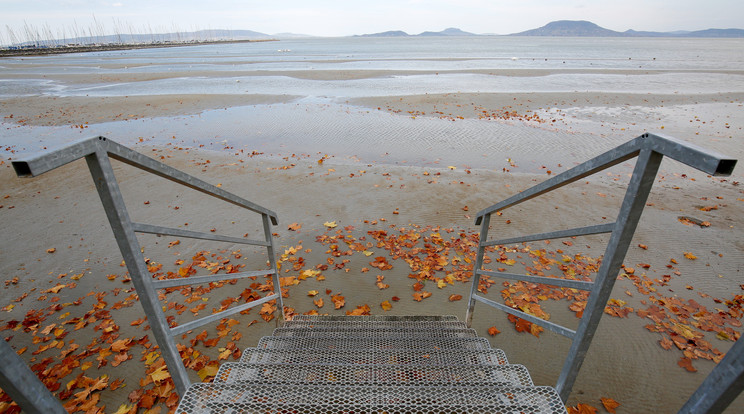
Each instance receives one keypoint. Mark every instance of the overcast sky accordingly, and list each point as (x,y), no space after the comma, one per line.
(349,17)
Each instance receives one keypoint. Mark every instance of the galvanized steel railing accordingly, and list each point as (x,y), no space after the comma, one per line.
(97,153)
(650,149)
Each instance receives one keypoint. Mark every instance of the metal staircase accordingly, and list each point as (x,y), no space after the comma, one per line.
(372,364)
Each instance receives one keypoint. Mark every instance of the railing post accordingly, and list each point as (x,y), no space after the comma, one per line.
(272,263)
(22,385)
(113,203)
(476,267)
(644,175)
(721,387)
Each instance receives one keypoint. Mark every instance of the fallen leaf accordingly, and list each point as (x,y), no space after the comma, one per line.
(386,306)
(686,363)
(294,226)
(453,298)
(582,409)
(330,224)
(690,256)
(208,371)
(52,250)
(609,404)
(493,331)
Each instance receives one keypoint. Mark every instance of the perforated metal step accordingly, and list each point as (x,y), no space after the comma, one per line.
(406,357)
(324,399)
(380,342)
(502,375)
(401,365)
(374,318)
(377,324)
(376,332)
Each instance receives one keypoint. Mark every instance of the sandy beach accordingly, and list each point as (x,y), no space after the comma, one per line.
(62,266)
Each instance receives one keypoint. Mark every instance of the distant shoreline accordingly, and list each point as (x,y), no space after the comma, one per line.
(110,47)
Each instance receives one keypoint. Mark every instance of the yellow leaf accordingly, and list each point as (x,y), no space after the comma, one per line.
(208,371)
(368,253)
(690,256)
(386,306)
(441,283)
(162,373)
(330,224)
(312,292)
(224,354)
(124,409)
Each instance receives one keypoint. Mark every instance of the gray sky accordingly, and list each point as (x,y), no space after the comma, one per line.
(348,17)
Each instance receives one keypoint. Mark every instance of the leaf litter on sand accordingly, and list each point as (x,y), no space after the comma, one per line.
(431,256)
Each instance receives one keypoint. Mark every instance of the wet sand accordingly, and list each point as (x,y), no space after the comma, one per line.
(61,211)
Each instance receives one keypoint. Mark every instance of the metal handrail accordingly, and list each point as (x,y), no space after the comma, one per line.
(650,149)
(97,152)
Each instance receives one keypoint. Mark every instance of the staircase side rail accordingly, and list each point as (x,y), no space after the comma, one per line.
(721,386)
(22,385)
(708,161)
(650,150)
(97,152)
(37,165)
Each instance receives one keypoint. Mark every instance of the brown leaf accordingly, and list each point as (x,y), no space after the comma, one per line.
(686,363)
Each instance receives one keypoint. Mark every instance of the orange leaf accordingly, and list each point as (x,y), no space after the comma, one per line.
(690,256)
(120,345)
(338,301)
(493,331)
(453,298)
(386,306)
(686,363)
(294,226)
(610,404)
(318,302)
(582,409)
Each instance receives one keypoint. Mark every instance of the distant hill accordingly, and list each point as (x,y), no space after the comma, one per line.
(391,33)
(452,31)
(570,28)
(581,28)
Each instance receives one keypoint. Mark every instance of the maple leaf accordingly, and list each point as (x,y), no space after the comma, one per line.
(386,306)
(686,363)
(124,409)
(160,374)
(582,409)
(610,404)
(121,345)
(493,331)
(381,263)
(690,256)
(209,371)
(360,310)
(330,224)
(319,302)
(338,301)
(294,226)
(312,292)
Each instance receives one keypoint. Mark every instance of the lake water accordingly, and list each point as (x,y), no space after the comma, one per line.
(318,120)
